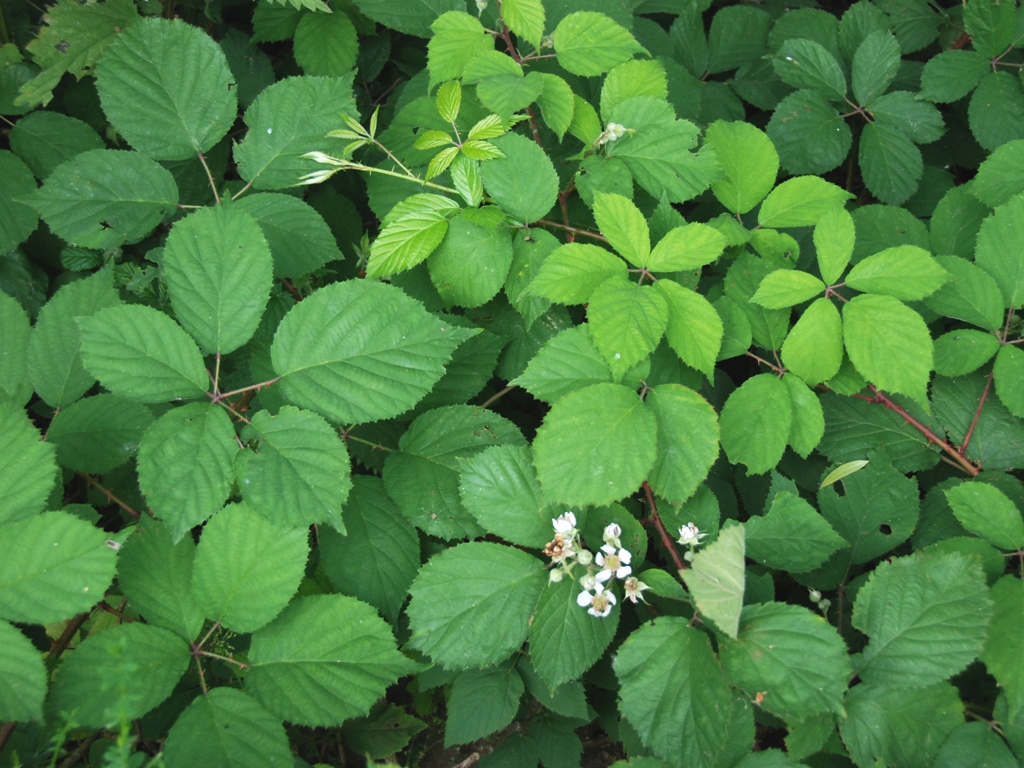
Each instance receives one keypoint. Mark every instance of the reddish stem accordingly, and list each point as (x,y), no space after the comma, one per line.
(777,369)
(665,538)
(977,414)
(110,496)
(573,230)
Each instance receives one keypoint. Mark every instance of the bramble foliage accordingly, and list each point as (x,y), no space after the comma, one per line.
(420,377)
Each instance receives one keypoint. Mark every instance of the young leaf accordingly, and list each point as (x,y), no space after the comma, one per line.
(694,329)
(875,65)
(748,159)
(834,237)
(98,433)
(622,223)
(755,423)
(805,64)
(411,232)
(690,246)
(890,163)
(487,591)
(809,133)
(481,702)
(499,487)
(466,179)
(687,441)
(631,79)
(998,254)
(987,512)
(470,265)
(786,288)
(27,465)
(800,202)
(23,677)
(792,536)
(323,660)
(813,349)
(626,322)
(716,580)
(589,44)
(523,183)
(326,44)
(166,88)
(449,100)
(572,272)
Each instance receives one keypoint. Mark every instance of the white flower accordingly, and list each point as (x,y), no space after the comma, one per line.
(613,562)
(611,133)
(633,587)
(588,581)
(585,557)
(612,532)
(599,603)
(565,524)
(690,534)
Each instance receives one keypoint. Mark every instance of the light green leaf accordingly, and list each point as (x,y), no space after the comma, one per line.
(986,511)
(156,577)
(905,272)
(166,88)
(557,104)
(465,174)
(1003,653)
(525,18)
(105,197)
(565,640)
(449,101)
(834,237)
(793,656)
(804,63)
(1009,373)
(687,441)
(631,79)
(15,387)
(185,465)
(623,224)
(499,487)
(1000,177)
(423,475)
(572,272)
(951,75)
(52,566)
(875,65)
(809,133)
(964,350)
(98,433)
(119,674)
(786,288)
(889,344)
(481,702)
(813,349)
(17,219)
(227,728)
(716,580)
(326,44)
(768,326)
(507,94)
(996,110)
(690,246)
(22,677)
(925,616)
(972,295)
(287,120)
(300,240)
(791,537)
(808,418)
(998,251)
(566,363)
(377,558)
(626,322)
(674,692)
(596,446)
(471,604)
(889,162)
(523,183)
(800,202)
(748,159)
(140,353)
(27,466)
(411,232)
(843,470)
(694,329)
(590,44)
(470,265)
(325,659)
(298,471)
(585,124)
(756,422)
(360,336)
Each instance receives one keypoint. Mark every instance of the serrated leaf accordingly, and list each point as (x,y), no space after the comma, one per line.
(987,512)
(963,351)
(919,120)
(809,133)
(529,252)
(786,288)
(585,124)
(525,18)
(748,159)
(22,677)
(465,175)
(890,163)
(557,104)
(54,565)
(449,100)
(793,656)
(1009,373)
(435,139)
(974,744)
(626,322)
(165,364)
(185,465)
(105,197)
(300,240)
(507,94)
(631,79)
(98,433)
(991,26)
(925,617)
(17,219)
(687,441)
(690,246)
(997,439)
(481,702)
(951,75)
(813,348)
(808,417)
(471,604)
(411,232)
(360,336)
(326,44)
(694,329)
(572,272)
(738,36)
(156,576)
(523,183)
(792,536)
(589,43)
(803,63)
(999,177)
(768,326)
(996,110)
(165,86)
(15,387)
(625,227)
(377,558)
(972,295)
(800,202)
(470,265)
(566,363)
(905,272)
(716,580)
(875,65)
(27,467)
(755,423)
(413,19)
(382,733)
(834,237)
(477,149)
(325,659)
(998,254)
(500,490)
(1002,652)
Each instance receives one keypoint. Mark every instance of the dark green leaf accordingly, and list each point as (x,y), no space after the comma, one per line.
(991,25)
(481,702)
(470,265)
(738,36)
(326,44)
(22,677)
(997,440)
(972,295)
(1009,373)
(15,387)
(1003,653)
(27,465)
(986,511)
(951,75)
(996,111)
(891,164)
(792,536)
(874,66)
(411,18)
(299,239)
(17,219)
(98,433)
(804,63)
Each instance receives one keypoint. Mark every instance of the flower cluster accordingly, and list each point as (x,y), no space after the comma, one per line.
(611,133)
(691,537)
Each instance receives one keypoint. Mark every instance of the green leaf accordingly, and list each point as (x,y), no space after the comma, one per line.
(526,19)
(748,159)
(423,475)
(738,36)
(98,433)
(105,197)
(470,265)
(411,232)
(449,101)
(716,580)
(119,674)
(694,329)
(834,237)
(687,441)
(889,343)
(687,247)
(793,656)
(804,63)
(999,176)
(585,124)
(972,295)
(626,322)
(755,423)
(17,219)
(792,536)
(27,465)
(809,133)
(800,202)
(565,640)
(15,387)
(925,616)
(902,726)
(22,677)
(973,745)
(411,18)
(596,446)
(300,240)
(507,94)
(384,732)
(156,576)
(566,363)
(625,227)
(689,41)
(919,120)
(813,349)
(674,692)
(997,438)
(471,604)
(557,104)
(1009,373)
(466,179)
(185,465)
(377,559)
(399,351)
(986,511)
(996,110)
(481,702)
(326,44)
(523,183)
(905,272)
(590,44)
(631,79)
(991,25)
(998,252)
(572,272)
(964,350)
(808,418)
(287,120)
(323,660)
(854,427)
(167,89)
(529,252)
(875,65)
(227,728)
(499,487)
(890,163)
(1003,647)
(768,326)
(786,288)
(950,75)
(140,353)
